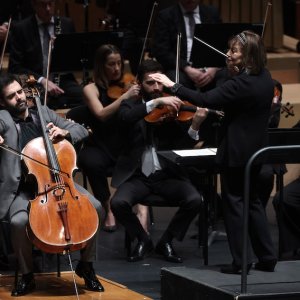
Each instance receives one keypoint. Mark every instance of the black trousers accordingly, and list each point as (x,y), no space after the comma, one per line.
(174,192)
(232,188)
(95,164)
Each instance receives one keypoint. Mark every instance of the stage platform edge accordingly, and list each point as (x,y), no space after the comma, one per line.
(180,283)
(49,286)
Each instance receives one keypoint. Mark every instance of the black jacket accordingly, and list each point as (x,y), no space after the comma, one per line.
(246,101)
(168,24)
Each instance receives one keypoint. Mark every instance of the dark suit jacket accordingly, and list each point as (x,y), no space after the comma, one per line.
(26,55)
(169,135)
(168,24)
(246,101)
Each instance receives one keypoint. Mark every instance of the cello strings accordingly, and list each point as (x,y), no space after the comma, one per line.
(13,151)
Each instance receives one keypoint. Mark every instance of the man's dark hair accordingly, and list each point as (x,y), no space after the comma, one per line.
(148,66)
(5,80)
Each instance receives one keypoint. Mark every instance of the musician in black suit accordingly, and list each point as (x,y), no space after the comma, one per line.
(139,172)
(181,18)
(246,99)
(28,54)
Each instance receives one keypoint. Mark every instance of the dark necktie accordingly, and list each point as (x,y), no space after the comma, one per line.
(192,23)
(148,166)
(45,47)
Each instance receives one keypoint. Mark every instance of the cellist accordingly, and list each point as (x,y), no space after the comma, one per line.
(18,126)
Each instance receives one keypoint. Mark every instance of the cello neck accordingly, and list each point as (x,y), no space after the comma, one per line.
(51,154)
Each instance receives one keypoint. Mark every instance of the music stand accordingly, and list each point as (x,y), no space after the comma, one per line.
(216,35)
(76,51)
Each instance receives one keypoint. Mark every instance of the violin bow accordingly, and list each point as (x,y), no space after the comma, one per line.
(5,43)
(48,69)
(155,4)
(178,57)
(266,18)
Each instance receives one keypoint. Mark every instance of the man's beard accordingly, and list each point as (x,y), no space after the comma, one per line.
(151,96)
(17,110)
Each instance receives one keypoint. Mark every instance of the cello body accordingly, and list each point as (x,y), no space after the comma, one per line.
(60,218)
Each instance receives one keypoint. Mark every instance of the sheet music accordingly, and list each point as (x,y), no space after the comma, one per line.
(196,152)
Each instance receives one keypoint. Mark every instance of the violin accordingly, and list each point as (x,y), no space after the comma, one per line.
(116,90)
(60,217)
(167,113)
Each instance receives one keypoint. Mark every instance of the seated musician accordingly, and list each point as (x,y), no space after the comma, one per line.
(18,126)
(29,45)
(139,172)
(99,154)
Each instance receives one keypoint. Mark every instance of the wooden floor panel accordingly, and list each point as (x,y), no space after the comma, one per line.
(49,286)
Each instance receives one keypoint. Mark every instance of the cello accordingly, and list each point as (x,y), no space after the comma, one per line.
(60,217)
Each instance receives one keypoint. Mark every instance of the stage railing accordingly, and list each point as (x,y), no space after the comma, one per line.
(273,154)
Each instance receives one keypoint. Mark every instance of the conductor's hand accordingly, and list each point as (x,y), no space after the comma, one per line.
(163,79)
(1,140)
(56,134)
(198,118)
(53,89)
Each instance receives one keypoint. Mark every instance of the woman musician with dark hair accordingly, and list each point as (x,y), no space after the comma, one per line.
(100,153)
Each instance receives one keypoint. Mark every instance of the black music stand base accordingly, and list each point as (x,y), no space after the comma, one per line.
(180,283)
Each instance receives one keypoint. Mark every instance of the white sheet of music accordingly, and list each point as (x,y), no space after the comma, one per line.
(196,152)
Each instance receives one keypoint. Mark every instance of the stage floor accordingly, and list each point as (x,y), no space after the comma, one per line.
(49,286)
(283,283)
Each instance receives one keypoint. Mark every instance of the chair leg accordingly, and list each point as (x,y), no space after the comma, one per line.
(58,264)
(127,243)
(16,273)
(203,230)
(151,216)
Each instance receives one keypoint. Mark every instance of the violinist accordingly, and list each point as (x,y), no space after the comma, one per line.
(100,153)
(18,126)
(139,171)
(246,99)
(29,49)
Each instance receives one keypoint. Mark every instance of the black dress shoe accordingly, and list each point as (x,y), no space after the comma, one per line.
(109,228)
(166,249)
(24,286)
(234,269)
(86,271)
(141,250)
(266,266)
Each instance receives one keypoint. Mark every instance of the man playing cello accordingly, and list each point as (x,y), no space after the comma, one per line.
(18,126)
